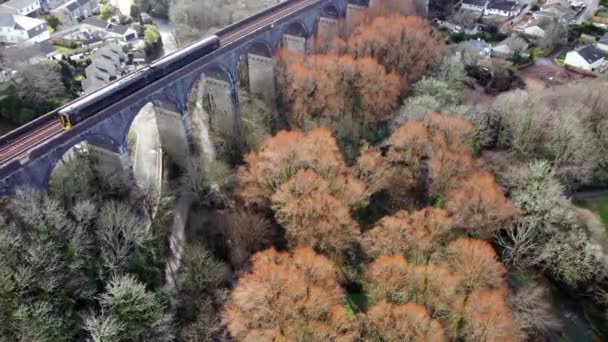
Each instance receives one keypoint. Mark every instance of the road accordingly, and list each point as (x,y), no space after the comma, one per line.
(124,6)
(147,162)
(589,11)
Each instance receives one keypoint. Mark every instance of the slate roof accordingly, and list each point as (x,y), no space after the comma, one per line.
(72,6)
(7,20)
(95,22)
(590,53)
(18,4)
(502,5)
(120,29)
(479,3)
(604,39)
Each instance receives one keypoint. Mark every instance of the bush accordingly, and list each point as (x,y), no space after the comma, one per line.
(52,21)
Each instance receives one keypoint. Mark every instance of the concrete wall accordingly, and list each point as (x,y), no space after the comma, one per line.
(261,75)
(294,43)
(172,131)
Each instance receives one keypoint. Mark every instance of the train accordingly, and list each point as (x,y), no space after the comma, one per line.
(88,105)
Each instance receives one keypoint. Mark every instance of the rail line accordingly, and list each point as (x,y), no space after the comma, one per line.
(20,146)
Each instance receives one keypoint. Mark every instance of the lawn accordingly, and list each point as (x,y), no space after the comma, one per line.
(61,48)
(355,302)
(561,57)
(602,14)
(598,205)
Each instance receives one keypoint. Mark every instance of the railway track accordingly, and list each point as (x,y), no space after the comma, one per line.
(20,146)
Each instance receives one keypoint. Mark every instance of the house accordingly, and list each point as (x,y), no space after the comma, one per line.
(602,44)
(475,5)
(107,64)
(21,29)
(123,32)
(503,8)
(22,7)
(586,57)
(480,47)
(510,46)
(71,12)
(30,54)
(555,10)
(94,25)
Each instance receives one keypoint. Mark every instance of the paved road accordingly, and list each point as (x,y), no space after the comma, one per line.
(147,163)
(124,6)
(589,11)
(166,33)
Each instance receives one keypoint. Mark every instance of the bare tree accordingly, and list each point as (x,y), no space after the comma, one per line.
(39,82)
(531,308)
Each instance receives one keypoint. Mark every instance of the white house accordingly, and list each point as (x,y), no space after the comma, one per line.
(508,47)
(71,12)
(94,25)
(475,5)
(21,29)
(587,57)
(22,7)
(503,8)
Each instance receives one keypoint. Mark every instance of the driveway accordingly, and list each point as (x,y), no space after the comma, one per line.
(166,33)
(589,11)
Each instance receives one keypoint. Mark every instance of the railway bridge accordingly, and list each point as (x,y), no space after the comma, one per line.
(29,154)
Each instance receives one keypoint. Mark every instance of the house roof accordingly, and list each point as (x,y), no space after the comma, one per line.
(480,3)
(502,5)
(72,6)
(116,28)
(590,53)
(7,20)
(604,39)
(480,44)
(28,23)
(18,4)
(95,22)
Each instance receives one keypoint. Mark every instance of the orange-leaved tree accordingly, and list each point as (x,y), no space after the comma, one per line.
(479,204)
(487,317)
(328,89)
(405,322)
(407,45)
(417,233)
(287,297)
(281,156)
(477,262)
(311,215)
(387,278)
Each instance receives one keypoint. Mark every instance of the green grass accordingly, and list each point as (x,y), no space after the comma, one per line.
(602,14)
(539,52)
(561,57)
(61,48)
(355,302)
(598,205)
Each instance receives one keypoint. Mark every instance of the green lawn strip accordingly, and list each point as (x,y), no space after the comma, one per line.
(355,302)
(602,14)
(598,205)
(61,48)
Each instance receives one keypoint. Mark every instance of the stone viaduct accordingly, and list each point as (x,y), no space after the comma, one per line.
(216,76)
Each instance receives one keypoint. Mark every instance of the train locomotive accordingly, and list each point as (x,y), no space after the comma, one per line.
(88,105)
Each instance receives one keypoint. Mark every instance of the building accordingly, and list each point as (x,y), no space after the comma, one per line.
(586,57)
(503,8)
(74,11)
(107,65)
(508,47)
(19,29)
(602,44)
(108,30)
(480,47)
(475,5)
(22,7)
(558,11)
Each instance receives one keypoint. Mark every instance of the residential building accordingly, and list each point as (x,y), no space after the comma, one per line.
(602,44)
(107,65)
(94,25)
(586,57)
(22,7)
(556,10)
(480,47)
(503,8)
(74,11)
(20,29)
(475,5)
(509,46)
